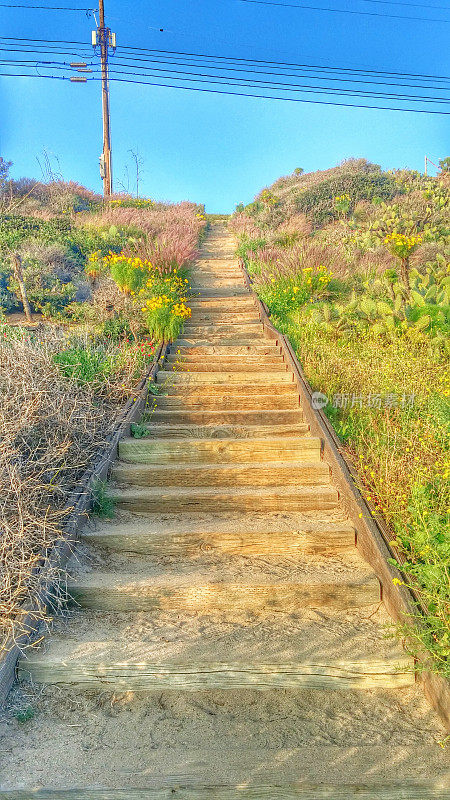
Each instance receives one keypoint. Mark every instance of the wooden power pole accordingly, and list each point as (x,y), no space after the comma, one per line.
(104,38)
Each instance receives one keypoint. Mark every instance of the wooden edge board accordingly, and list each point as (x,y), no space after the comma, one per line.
(78,504)
(146,675)
(245,791)
(372,535)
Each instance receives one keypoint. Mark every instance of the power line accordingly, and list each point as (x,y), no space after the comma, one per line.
(280,74)
(342,11)
(408,5)
(48,8)
(233,59)
(286,63)
(185,75)
(141,63)
(246,84)
(191,76)
(242,94)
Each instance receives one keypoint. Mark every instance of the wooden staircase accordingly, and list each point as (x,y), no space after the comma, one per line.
(230,581)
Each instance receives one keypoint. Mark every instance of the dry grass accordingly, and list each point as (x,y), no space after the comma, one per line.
(170,232)
(51,427)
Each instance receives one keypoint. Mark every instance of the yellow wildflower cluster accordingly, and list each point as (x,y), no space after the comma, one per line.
(94,264)
(182,310)
(132,202)
(136,262)
(320,278)
(402,245)
(343,198)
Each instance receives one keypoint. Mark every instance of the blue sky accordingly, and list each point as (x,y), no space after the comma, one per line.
(214,149)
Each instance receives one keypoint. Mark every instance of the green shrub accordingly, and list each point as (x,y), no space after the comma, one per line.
(318,202)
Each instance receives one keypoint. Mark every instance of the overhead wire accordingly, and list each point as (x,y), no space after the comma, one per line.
(343,11)
(233,59)
(265,85)
(242,72)
(244,94)
(165,72)
(194,76)
(47,8)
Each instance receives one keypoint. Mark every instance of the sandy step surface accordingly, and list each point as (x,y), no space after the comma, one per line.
(184,536)
(220,365)
(265,418)
(229,401)
(105,739)
(204,475)
(226,350)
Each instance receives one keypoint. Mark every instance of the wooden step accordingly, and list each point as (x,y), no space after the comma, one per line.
(149,475)
(244,302)
(185,538)
(191,790)
(200,365)
(116,592)
(194,499)
(241,451)
(228,351)
(220,291)
(110,666)
(217,317)
(225,328)
(225,390)
(227,402)
(219,340)
(264,379)
(265,361)
(227,431)
(266,417)
(202,282)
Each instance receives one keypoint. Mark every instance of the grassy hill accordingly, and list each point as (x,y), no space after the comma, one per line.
(354,266)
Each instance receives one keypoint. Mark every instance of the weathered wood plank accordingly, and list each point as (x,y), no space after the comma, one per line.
(227,431)
(227,402)
(146,675)
(240,365)
(226,390)
(308,474)
(250,543)
(242,417)
(165,451)
(113,593)
(188,378)
(266,348)
(243,791)
(200,499)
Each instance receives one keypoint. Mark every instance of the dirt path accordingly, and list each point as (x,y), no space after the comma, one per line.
(227,633)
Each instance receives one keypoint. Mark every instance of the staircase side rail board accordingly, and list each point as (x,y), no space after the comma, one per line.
(79,503)
(243,791)
(372,535)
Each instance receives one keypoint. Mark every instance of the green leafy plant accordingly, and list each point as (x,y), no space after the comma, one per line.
(102,503)
(138,430)
(25,715)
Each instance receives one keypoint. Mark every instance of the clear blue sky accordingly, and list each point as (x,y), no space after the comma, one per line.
(215,149)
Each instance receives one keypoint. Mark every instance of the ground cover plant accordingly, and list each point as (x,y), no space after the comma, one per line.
(354,265)
(108,282)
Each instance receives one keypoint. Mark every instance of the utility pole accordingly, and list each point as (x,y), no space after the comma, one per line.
(105,39)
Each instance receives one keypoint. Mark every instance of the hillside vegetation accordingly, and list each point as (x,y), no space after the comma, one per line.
(105,283)
(354,266)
